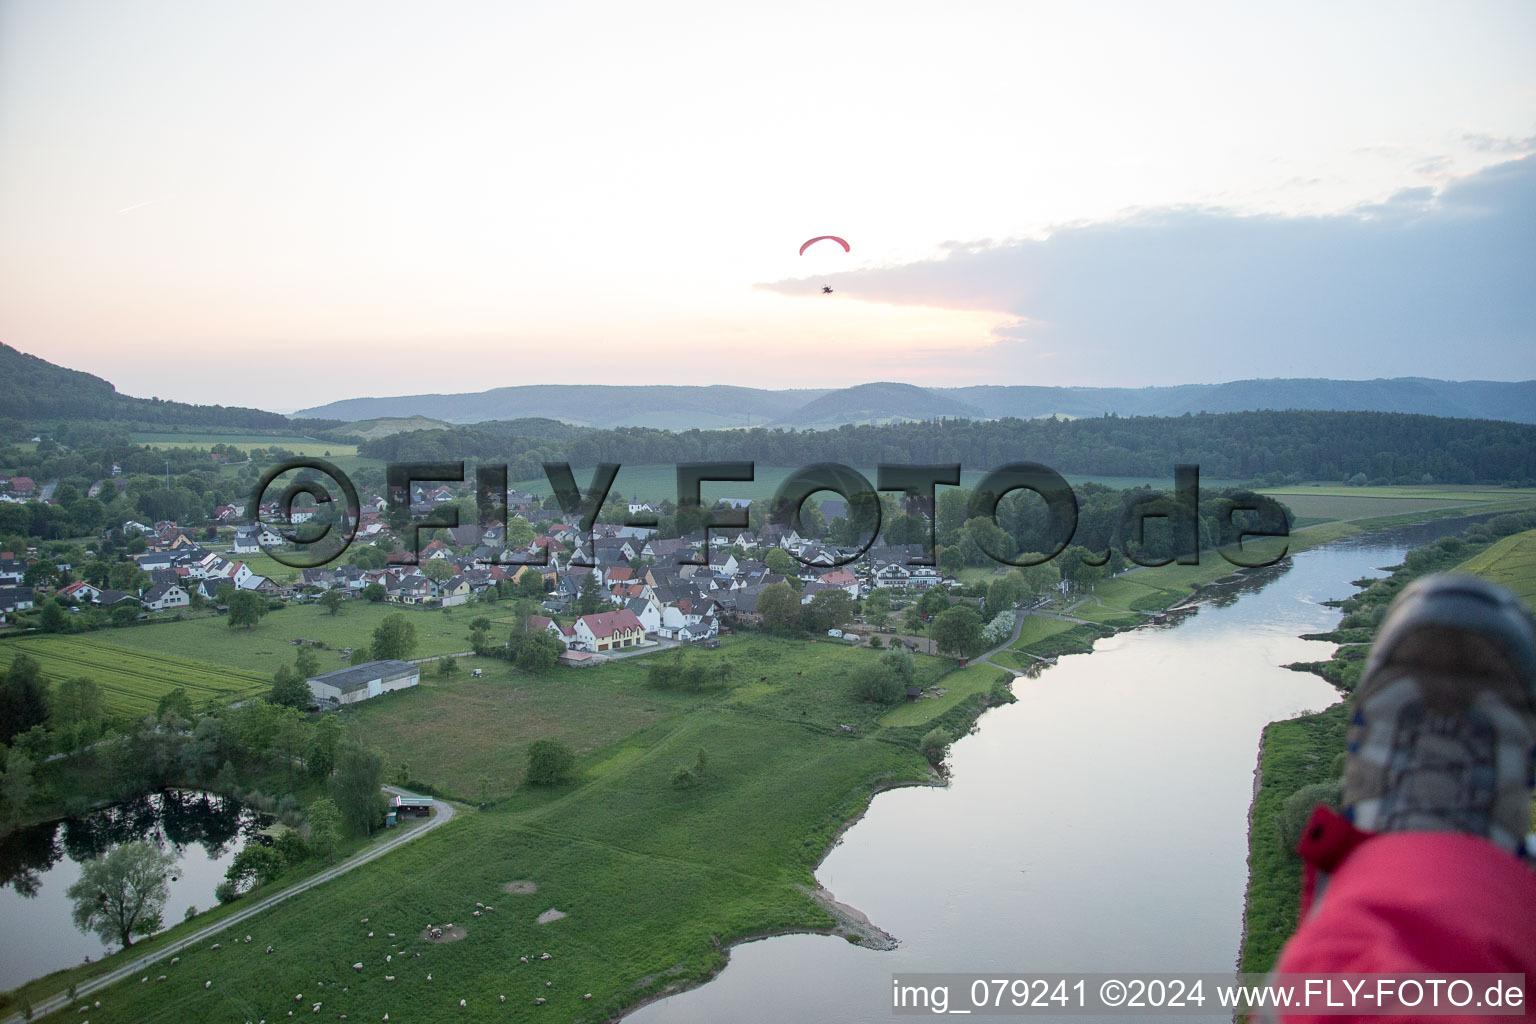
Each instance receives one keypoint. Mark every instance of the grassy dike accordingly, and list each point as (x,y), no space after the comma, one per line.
(1306,750)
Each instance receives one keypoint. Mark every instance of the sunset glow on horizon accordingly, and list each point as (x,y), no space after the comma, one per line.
(289,204)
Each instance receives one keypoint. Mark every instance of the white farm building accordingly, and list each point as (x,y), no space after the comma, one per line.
(359,682)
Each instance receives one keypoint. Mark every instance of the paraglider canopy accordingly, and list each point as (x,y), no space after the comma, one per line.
(823,238)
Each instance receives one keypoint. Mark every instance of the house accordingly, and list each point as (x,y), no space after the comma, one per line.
(14,599)
(565,634)
(22,486)
(842,578)
(608,631)
(360,682)
(165,595)
(647,610)
(81,592)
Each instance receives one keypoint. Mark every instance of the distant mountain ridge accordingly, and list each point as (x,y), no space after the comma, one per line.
(682,407)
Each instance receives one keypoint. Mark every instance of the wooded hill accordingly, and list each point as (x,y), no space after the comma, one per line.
(1275,446)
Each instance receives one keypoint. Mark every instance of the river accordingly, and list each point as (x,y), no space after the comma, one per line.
(39,862)
(1098,824)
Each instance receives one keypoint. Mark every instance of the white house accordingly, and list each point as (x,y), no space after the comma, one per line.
(165,595)
(608,631)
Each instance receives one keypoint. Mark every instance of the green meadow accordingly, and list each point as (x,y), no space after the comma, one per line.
(297,445)
(267,646)
(656,880)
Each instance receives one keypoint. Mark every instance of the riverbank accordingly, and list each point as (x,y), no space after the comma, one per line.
(1307,750)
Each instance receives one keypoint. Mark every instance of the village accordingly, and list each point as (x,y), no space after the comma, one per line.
(621,588)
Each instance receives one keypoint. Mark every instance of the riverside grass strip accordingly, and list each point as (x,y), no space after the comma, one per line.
(133,681)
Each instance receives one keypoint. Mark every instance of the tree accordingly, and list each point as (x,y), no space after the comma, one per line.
(537,652)
(877,607)
(17,784)
(290,689)
(373,593)
(174,704)
(355,786)
(933,745)
(439,570)
(306,663)
(957,630)
(122,893)
(873,683)
(781,562)
(53,618)
(779,607)
(448,667)
(256,864)
(550,762)
(246,608)
(530,584)
(23,698)
(590,600)
(321,757)
(828,609)
(394,638)
(359,655)
(77,708)
(332,601)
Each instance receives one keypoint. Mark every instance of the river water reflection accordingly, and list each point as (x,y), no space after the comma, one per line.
(39,862)
(1098,824)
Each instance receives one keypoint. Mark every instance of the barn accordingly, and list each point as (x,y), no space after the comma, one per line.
(359,682)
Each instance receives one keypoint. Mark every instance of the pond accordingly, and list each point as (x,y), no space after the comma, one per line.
(39,862)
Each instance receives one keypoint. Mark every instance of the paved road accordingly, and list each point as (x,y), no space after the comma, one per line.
(141,965)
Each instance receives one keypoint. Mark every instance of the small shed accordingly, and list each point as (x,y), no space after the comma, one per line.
(411,805)
(359,682)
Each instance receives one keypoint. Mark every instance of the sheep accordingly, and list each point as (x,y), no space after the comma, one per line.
(540,1001)
(388,957)
(480,906)
(363,921)
(477,913)
(391,934)
(357,967)
(175,960)
(544,956)
(549,984)
(389,977)
(143,979)
(462,1004)
(502,998)
(216,945)
(370,935)
(161,978)
(587,996)
(247,940)
(429,975)
(523,959)
(299,998)
(269,949)
(207,984)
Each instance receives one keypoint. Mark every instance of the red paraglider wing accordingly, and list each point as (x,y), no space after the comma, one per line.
(823,238)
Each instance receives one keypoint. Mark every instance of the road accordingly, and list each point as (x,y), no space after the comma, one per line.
(141,965)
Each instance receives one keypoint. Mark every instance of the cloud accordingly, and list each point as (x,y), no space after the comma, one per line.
(1434,283)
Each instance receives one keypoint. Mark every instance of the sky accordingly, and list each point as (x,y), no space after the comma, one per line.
(284,204)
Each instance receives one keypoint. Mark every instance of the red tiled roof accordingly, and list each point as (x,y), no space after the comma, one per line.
(604,624)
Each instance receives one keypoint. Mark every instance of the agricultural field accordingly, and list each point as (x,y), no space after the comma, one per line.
(267,647)
(1509,562)
(132,681)
(1318,504)
(297,445)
